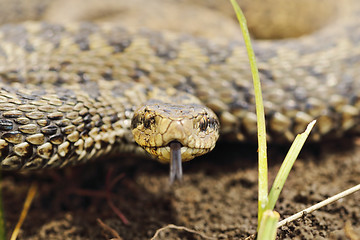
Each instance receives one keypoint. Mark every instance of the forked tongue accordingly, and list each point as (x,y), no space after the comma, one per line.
(175,161)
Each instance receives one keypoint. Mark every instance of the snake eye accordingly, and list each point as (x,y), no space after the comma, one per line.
(203,124)
(148,120)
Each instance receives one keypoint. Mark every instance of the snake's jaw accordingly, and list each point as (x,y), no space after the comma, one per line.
(174,133)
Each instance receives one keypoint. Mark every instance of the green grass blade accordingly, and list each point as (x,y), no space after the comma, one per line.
(263,168)
(268,226)
(287,165)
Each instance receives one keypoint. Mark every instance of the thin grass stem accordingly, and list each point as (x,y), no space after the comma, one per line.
(262,151)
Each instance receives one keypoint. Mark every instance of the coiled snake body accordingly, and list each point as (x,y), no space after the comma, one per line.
(68,92)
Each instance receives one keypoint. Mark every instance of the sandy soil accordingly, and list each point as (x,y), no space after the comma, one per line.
(218,196)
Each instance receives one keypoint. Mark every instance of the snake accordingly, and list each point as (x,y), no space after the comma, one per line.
(71,93)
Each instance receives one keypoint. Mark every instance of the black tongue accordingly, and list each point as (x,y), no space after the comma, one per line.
(175,162)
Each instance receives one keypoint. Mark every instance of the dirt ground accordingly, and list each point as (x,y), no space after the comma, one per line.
(218,196)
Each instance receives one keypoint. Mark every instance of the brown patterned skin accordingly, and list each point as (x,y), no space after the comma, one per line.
(156,124)
(68,92)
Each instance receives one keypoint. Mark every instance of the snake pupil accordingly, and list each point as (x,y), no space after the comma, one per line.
(148,122)
(203,124)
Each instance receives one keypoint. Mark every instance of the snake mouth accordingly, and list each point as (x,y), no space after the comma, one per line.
(163,153)
(176,160)
(175,153)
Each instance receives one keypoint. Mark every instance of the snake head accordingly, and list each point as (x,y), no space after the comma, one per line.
(175,133)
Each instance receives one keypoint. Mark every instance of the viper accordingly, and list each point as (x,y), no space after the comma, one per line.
(74,92)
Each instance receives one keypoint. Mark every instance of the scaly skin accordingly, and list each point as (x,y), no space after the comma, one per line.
(68,92)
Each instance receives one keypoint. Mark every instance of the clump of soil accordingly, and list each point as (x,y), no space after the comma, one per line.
(218,197)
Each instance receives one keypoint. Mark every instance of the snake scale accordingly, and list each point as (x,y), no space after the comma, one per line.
(76,92)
